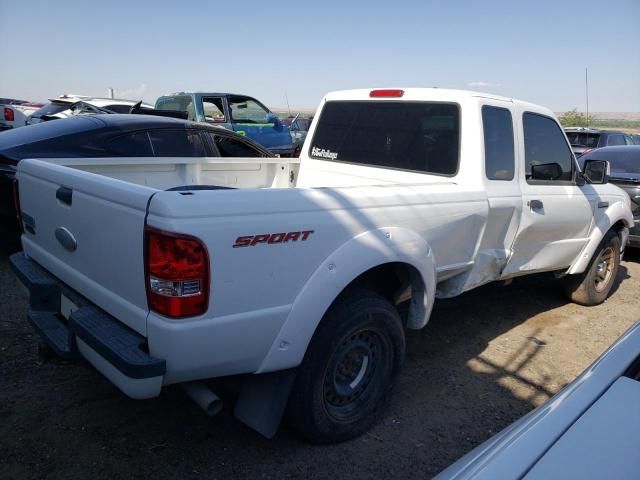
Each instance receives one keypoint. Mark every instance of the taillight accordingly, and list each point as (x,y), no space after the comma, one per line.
(386,93)
(177,274)
(586,150)
(16,203)
(9,116)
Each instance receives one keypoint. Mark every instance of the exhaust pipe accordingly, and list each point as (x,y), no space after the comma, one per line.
(208,401)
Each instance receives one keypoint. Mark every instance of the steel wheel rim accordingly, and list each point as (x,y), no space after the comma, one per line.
(604,269)
(350,377)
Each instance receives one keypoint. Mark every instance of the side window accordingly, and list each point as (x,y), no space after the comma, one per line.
(499,158)
(213,109)
(119,108)
(130,145)
(177,143)
(615,140)
(246,110)
(231,147)
(545,146)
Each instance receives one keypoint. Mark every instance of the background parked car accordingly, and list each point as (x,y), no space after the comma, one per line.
(625,173)
(584,139)
(15,113)
(112,136)
(71,105)
(298,128)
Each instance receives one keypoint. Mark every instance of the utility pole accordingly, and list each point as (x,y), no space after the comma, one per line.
(287,99)
(586,84)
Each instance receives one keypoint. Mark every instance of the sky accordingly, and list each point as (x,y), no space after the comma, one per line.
(273,50)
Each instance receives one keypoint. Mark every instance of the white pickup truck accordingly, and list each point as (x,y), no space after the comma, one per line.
(163,271)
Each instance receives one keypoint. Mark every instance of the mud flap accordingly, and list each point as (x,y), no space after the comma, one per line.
(263,400)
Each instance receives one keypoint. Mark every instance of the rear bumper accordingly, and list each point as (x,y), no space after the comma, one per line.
(112,348)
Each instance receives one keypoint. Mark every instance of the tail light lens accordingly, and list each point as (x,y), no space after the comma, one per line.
(9,116)
(177,274)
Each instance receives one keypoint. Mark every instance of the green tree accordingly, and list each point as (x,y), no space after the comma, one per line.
(573,118)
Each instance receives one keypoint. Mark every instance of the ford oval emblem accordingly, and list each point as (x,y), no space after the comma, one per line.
(66,239)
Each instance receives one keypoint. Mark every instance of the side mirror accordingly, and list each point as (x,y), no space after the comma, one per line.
(597,171)
(273,118)
(546,171)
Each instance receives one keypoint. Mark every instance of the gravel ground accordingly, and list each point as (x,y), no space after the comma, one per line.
(485,359)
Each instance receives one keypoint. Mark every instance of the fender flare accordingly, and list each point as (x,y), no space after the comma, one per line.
(353,258)
(614,214)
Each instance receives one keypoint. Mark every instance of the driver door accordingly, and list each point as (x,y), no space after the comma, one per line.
(557,214)
(250,118)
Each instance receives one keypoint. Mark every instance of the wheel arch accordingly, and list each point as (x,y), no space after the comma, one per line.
(362,261)
(615,218)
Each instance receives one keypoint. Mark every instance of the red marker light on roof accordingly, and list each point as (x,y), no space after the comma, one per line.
(387,93)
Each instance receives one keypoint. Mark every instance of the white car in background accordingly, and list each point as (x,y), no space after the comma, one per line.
(70,105)
(589,430)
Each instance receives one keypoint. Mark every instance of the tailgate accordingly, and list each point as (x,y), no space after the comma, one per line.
(88,230)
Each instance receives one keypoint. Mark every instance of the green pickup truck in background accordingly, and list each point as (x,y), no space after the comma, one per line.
(240,113)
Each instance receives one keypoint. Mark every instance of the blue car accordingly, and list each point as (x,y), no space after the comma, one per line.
(240,113)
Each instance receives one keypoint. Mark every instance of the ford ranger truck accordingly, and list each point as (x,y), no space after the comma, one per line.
(289,272)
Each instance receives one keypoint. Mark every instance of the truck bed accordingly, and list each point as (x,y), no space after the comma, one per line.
(163,173)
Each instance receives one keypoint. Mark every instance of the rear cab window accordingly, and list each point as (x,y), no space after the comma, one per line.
(499,156)
(415,136)
(582,139)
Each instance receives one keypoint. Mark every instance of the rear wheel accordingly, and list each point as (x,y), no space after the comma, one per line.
(349,369)
(593,286)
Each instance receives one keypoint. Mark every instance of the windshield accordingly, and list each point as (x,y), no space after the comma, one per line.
(581,139)
(417,136)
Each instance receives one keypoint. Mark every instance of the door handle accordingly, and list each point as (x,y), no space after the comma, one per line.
(536,204)
(65,195)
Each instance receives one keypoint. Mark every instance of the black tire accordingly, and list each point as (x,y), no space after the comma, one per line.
(349,369)
(593,286)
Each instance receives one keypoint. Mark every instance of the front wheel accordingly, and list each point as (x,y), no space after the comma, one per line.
(593,286)
(349,369)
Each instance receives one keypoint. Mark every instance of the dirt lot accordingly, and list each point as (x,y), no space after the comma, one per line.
(485,359)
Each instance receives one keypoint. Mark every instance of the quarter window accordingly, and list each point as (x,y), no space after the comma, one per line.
(499,159)
(177,143)
(231,147)
(131,145)
(545,147)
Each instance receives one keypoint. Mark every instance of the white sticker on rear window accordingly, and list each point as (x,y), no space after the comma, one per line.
(322,153)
